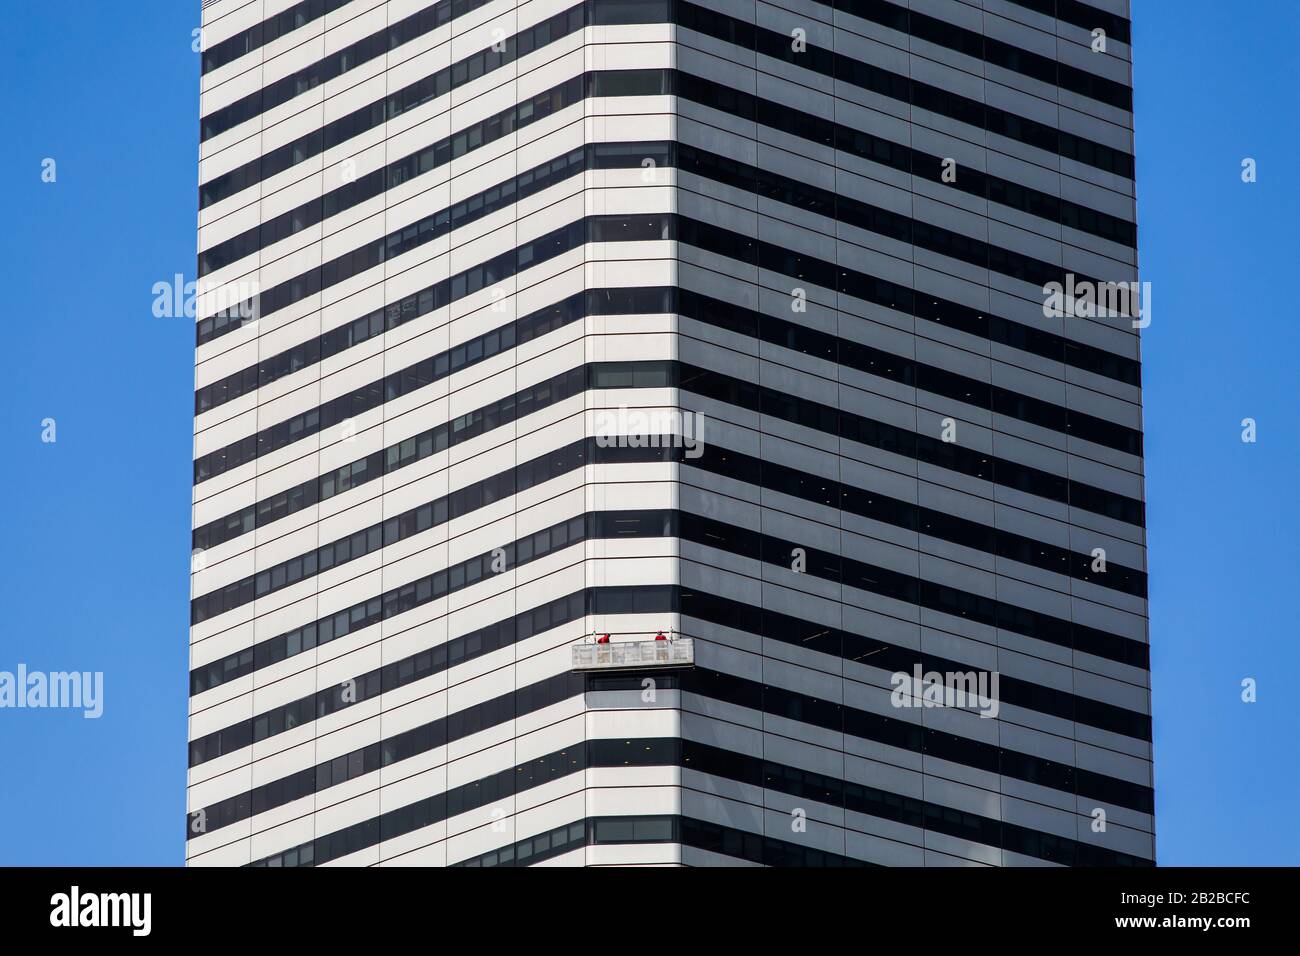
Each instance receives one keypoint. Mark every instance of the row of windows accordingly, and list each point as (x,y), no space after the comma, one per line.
(651,752)
(948,455)
(543,846)
(354,193)
(1071,11)
(724,462)
(876,506)
(733,391)
(873,218)
(609,83)
(800,484)
(921,305)
(594,831)
(382,319)
(872,289)
(408,98)
(320,140)
(428,811)
(882,221)
(846,139)
(733,245)
(336,64)
(524,476)
(349,766)
(718,168)
(441,732)
(763,698)
(930,378)
(715,762)
(765,850)
(710,23)
(474,644)
(522,700)
(719,535)
(492,637)
(882,804)
(352,547)
(607,302)
(714,385)
(730,464)
(418,740)
(436,296)
(855,647)
(813,636)
(913,92)
(608,600)
(746,395)
(630,301)
(743,844)
(435,368)
(400,383)
(870,725)
(912,589)
(367,541)
(912,736)
(267,31)
(768,475)
(345,337)
(399,600)
(418,233)
(993,51)
(786,334)
(397,243)
(305,424)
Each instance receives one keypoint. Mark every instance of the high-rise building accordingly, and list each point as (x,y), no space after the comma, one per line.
(643,431)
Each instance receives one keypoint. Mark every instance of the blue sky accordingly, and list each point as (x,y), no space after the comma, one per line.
(96,525)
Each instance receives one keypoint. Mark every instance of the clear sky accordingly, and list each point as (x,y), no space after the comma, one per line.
(96,524)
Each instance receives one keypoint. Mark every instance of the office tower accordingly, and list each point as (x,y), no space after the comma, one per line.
(611,414)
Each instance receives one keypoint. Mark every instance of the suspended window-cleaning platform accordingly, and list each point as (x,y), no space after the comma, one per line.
(634,655)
